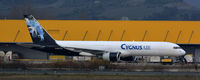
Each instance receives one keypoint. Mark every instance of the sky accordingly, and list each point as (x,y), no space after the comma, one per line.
(194,3)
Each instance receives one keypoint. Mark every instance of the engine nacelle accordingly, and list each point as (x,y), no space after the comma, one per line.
(112,56)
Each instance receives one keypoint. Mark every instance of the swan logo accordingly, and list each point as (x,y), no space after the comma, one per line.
(135,47)
(35,29)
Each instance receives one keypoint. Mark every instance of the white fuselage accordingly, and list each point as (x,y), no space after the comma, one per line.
(128,48)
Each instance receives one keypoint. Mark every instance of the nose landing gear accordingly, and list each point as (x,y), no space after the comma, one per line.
(182,60)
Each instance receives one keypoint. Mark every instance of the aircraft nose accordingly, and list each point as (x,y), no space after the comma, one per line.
(182,52)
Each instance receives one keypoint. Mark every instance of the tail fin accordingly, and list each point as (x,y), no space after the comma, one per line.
(37,32)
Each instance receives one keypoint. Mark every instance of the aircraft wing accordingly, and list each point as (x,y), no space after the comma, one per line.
(95,52)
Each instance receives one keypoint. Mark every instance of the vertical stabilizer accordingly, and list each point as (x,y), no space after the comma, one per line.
(37,32)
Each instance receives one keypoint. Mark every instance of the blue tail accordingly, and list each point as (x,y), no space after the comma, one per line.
(37,32)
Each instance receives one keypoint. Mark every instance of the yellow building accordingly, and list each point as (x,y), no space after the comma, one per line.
(94,30)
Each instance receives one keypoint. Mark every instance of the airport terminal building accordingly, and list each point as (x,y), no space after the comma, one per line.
(184,33)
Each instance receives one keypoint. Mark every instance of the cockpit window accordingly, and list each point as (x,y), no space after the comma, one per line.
(177,47)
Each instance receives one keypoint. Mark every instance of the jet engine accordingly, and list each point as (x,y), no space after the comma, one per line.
(112,56)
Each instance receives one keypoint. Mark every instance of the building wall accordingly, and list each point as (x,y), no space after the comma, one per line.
(171,31)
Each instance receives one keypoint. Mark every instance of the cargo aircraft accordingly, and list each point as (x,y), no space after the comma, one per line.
(109,50)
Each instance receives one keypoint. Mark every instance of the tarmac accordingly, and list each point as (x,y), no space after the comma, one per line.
(61,72)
